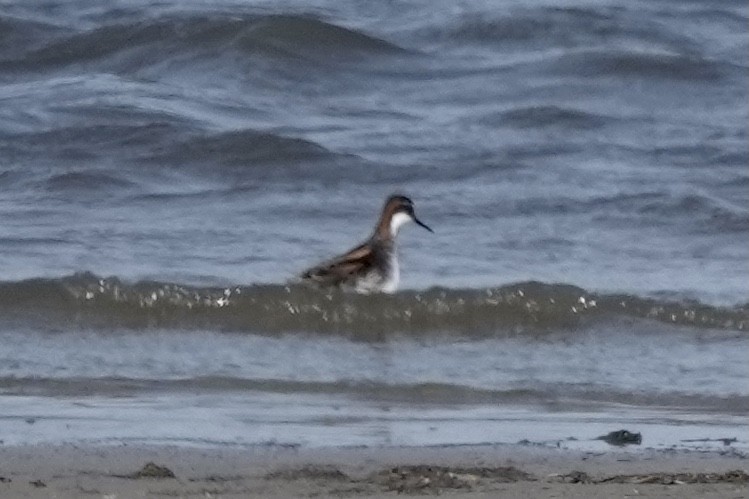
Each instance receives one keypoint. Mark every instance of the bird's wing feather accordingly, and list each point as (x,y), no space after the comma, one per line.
(342,268)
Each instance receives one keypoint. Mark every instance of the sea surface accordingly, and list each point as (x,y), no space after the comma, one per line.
(167,168)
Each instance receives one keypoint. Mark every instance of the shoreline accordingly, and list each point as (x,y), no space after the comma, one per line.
(73,470)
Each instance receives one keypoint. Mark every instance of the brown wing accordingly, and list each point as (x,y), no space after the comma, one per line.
(341,269)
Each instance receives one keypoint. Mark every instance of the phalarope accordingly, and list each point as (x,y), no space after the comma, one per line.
(373,265)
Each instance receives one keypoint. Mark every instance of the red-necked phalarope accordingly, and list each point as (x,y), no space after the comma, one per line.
(373,265)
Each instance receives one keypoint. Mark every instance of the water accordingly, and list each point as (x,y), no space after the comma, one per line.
(167,167)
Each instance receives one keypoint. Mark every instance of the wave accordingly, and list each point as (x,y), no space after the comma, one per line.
(139,44)
(164,144)
(245,147)
(733,158)
(699,212)
(86,141)
(655,65)
(526,24)
(87,300)
(16,32)
(708,215)
(85,181)
(725,14)
(558,394)
(304,33)
(562,27)
(544,116)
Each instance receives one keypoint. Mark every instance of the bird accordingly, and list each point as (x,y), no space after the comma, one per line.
(372,266)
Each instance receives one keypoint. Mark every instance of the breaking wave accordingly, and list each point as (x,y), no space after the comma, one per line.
(87,300)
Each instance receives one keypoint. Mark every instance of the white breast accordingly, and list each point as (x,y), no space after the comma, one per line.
(375,282)
(394,276)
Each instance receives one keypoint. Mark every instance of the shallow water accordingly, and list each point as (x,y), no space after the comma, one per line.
(250,419)
(167,167)
(156,386)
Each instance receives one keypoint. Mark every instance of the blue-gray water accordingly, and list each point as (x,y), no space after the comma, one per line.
(166,167)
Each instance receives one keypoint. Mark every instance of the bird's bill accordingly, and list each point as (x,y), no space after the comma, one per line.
(419,222)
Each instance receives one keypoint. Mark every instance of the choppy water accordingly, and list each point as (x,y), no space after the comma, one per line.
(166,167)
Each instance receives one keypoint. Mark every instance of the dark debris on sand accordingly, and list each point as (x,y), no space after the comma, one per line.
(425,479)
(409,479)
(735,476)
(152,470)
(575,477)
(308,473)
(621,438)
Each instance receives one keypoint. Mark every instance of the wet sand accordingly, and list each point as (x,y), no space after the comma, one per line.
(124,471)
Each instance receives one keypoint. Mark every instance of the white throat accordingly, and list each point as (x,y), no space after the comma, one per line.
(398,221)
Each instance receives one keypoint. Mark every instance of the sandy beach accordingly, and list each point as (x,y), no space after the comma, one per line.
(123,471)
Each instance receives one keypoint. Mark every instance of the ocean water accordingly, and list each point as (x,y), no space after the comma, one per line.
(167,168)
